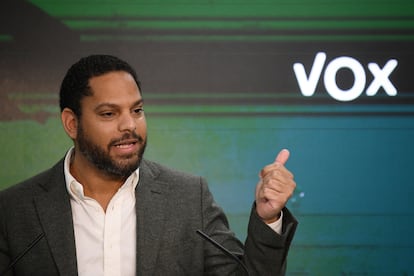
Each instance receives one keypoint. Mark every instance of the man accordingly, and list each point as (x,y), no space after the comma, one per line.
(104,210)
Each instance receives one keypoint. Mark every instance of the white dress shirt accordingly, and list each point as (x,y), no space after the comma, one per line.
(277,225)
(105,241)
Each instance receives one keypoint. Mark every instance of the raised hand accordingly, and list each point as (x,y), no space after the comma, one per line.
(275,187)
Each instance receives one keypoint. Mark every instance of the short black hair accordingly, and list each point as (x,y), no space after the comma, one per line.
(75,84)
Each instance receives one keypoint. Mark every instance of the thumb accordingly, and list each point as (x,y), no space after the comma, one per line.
(282,157)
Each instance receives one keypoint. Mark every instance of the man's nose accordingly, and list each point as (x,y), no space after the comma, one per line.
(127,123)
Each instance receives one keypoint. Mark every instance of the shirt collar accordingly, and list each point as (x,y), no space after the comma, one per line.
(75,189)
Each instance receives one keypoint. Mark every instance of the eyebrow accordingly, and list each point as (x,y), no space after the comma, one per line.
(111,105)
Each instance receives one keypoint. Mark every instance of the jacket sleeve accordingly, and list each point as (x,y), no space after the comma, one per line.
(264,252)
(4,250)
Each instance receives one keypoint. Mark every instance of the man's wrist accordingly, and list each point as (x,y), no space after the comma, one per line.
(276,225)
(272,220)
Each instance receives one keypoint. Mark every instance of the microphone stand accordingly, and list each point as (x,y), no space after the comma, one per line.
(24,252)
(223,249)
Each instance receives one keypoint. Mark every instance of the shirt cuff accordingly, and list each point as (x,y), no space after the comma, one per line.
(277,225)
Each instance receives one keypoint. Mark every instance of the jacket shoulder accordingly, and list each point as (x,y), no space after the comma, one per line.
(162,172)
(28,187)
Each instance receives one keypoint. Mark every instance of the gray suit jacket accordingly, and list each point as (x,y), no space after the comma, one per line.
(170,207)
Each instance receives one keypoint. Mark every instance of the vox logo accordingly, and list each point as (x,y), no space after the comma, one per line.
(308,83)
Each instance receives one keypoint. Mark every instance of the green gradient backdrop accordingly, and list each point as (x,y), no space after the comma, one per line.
(222,100)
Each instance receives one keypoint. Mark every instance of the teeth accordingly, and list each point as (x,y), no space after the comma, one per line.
(124,146)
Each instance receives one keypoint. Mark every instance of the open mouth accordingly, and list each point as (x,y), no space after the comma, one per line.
(126,146)
(125,143)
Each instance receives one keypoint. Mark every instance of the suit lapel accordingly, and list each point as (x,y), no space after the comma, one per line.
(54,211)
(151,205)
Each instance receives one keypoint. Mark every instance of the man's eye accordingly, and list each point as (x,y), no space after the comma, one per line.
(107,114)
(138,110)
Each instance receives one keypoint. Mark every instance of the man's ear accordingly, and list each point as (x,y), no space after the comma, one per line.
(70,122)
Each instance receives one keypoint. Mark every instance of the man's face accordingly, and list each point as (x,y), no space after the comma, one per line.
(112,131)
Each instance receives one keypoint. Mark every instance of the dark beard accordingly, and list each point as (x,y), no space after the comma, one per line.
(103,161)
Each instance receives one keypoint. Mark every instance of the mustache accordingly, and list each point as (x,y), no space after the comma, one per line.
(127,136)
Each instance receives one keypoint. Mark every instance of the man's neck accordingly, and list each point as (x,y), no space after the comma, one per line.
(96,183)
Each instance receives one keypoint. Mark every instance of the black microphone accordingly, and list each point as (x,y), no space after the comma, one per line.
(223,249)
(23,253)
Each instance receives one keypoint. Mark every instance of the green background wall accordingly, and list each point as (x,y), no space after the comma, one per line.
(222,99)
